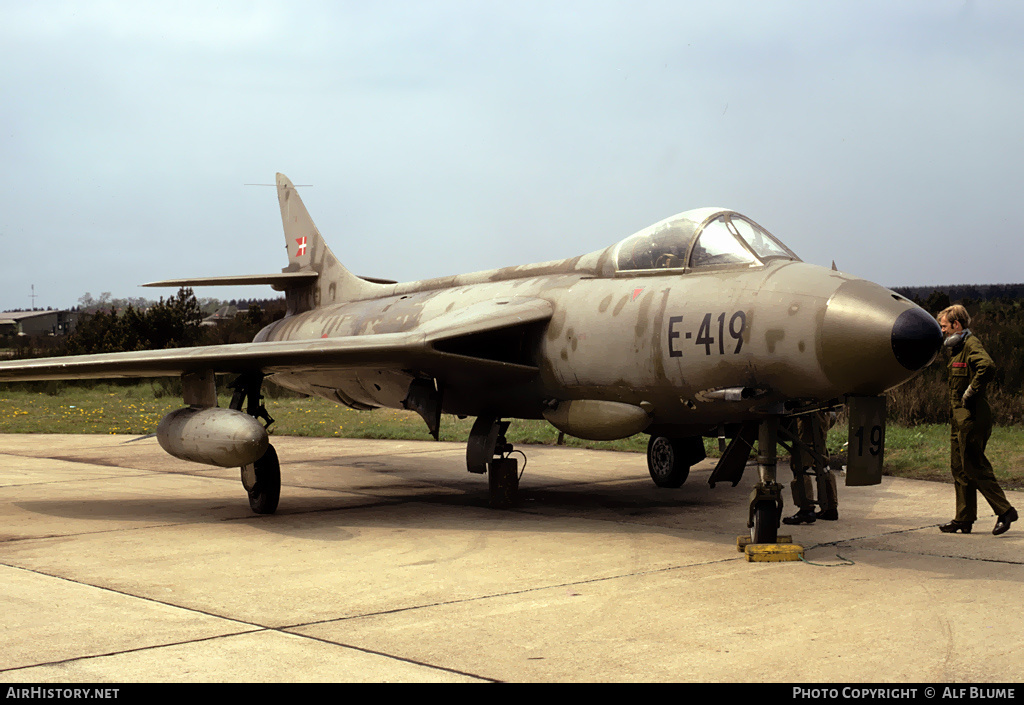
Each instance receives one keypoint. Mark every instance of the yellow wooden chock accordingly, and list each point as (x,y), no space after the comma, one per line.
(743,541)
(771,552)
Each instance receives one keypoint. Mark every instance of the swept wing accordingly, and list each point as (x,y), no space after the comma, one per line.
(452,343)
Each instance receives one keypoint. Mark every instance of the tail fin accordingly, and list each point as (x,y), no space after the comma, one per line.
(307,252)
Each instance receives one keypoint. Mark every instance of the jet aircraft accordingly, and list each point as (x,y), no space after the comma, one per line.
(701,325)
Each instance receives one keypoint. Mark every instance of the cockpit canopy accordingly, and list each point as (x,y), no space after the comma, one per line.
(706,237)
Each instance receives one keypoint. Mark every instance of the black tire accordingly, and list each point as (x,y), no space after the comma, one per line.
(669,459)
(503,482)
(766,523)
(266,493)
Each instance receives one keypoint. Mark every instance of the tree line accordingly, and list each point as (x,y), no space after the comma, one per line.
(964,292)
(113,325)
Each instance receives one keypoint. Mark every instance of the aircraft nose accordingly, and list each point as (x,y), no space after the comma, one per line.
(873,339)
(916,339)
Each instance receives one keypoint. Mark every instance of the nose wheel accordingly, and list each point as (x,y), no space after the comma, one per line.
(765,521)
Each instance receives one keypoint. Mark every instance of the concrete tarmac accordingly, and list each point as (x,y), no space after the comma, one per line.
(121,564)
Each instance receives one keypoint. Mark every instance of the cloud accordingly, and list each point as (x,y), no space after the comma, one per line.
(454,136)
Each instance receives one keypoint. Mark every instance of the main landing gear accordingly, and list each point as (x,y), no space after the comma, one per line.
(669,459)
(487,452)
(262,479)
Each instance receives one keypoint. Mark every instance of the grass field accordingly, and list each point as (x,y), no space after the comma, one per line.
(920,452)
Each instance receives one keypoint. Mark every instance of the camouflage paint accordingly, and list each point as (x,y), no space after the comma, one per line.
(692,348)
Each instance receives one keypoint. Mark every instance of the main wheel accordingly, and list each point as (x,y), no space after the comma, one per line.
(503,482)
(669,460)
(766,523)
(265,491)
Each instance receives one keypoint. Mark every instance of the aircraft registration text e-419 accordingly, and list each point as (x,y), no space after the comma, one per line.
(737,323)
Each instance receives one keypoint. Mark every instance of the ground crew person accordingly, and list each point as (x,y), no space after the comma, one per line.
(812,430)
(970,370)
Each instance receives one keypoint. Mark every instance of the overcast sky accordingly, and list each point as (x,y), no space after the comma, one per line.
(445,137)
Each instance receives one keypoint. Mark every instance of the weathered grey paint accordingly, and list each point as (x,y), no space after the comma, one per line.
(520,341)
(222,437)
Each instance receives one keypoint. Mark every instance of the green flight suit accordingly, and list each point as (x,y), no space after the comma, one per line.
(970,428)
(812,430)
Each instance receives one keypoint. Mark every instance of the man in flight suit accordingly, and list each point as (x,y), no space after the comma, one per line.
(812,430)
(970,370)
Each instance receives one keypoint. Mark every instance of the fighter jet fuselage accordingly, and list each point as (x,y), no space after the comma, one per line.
(696,349)
(701,323)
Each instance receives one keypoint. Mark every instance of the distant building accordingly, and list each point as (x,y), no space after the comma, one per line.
(37,322)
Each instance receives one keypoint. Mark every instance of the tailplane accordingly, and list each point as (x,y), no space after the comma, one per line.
(308,253)
(313,278)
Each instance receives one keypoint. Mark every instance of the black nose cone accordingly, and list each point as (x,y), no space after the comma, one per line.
(916,338)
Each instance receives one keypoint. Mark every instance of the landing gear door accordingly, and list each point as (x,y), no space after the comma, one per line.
(866,440)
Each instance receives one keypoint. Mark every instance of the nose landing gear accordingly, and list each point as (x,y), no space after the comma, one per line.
(766,499)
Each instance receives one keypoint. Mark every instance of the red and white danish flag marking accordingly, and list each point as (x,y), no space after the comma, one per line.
(302,246)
